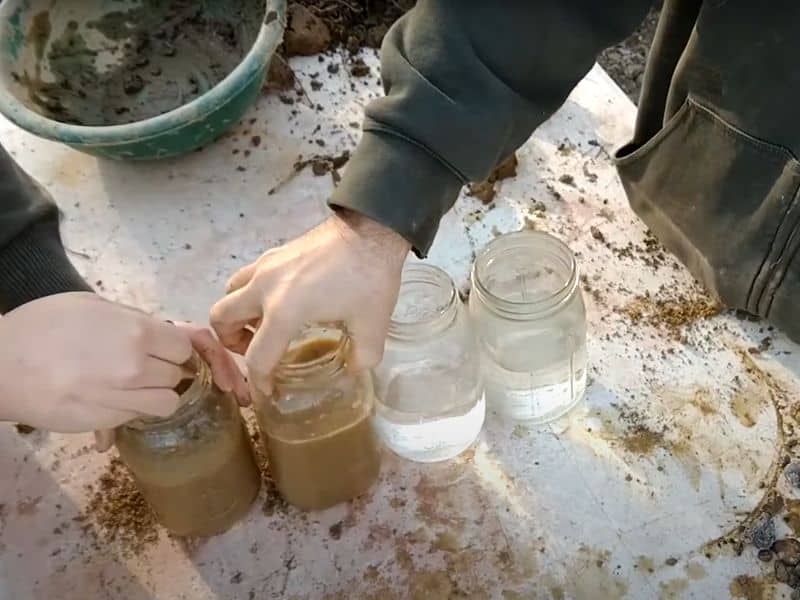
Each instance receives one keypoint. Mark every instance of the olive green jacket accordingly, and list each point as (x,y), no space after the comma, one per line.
(32,260)
(711,168)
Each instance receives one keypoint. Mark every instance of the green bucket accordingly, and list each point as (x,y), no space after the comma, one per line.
(27,48)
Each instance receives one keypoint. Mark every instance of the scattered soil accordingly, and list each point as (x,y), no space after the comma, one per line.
(273,501)
(363,23)
(119,512)
(321,164)
(593,291)
(671,311)
(641,440)
(625,62)
(165,54)
(305,33)
(748,588)
(318,25)
(335,530)
(650,252)
(758,528)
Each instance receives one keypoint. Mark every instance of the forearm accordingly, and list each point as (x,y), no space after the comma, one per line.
(466,84)
(377,241)
(33,263)
(10,374)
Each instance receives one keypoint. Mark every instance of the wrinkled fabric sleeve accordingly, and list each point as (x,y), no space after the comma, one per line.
(33,262)
(466,83)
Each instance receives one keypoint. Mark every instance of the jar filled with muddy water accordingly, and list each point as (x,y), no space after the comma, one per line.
(429,393)
(195,468)
(317,425)
(530,318)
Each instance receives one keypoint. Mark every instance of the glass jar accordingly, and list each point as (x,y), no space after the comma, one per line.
(195,468)
(317,425)
(528,310)
(429,395)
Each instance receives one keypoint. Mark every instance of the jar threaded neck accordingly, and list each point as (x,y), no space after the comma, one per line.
(427,302)
(316,352)
(524,275)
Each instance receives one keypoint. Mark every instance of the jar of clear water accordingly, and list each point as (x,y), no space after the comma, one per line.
(430,404)
(527,308)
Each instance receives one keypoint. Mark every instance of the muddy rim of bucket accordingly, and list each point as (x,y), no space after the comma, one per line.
(254,62)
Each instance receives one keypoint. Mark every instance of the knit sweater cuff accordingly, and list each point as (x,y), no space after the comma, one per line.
(34,264)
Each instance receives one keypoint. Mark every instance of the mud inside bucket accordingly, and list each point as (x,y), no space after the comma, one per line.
(111,62)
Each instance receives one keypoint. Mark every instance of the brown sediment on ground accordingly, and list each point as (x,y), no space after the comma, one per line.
(650,251)
(321,164)
(118,512)
(642,440)
(771,505)
(273,502)
(671,311)
(750,588)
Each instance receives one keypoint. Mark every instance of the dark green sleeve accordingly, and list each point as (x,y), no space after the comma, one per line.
(467,82)
(32,259)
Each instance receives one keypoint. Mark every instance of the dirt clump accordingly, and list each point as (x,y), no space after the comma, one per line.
(485,191)
(357,23)
(280,76)
(359,68)
(306,33)
(317,26)
(322,164)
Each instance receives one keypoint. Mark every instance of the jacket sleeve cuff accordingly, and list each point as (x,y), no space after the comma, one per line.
(399,184)
(34,264)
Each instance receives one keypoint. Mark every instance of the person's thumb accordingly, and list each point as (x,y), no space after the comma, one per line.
(103,439)
(367,339)
(266,349)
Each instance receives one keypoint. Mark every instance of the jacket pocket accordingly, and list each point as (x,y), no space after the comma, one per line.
(724,202)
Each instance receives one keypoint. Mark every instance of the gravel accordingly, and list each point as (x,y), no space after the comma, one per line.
(625,62)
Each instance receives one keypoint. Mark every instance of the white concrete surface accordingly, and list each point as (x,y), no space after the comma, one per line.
(569,511)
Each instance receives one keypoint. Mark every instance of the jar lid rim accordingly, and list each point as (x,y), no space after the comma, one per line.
(526,239)
(416,273)
(201,379)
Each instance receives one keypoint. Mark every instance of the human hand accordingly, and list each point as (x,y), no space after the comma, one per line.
(74,362)
(346,270)
(224,370)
